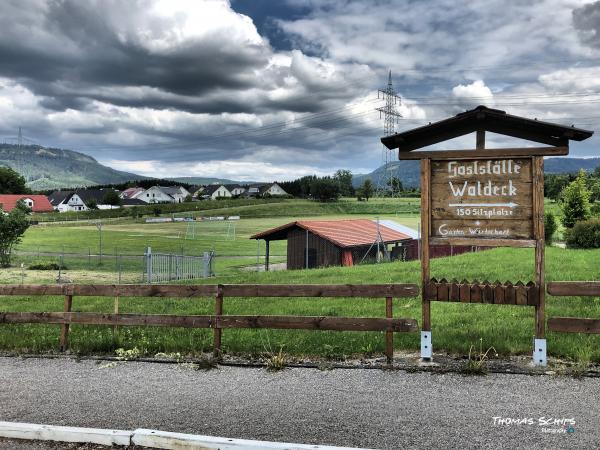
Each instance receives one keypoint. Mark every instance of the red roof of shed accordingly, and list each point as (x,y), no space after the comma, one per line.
(40,202)
(343,233)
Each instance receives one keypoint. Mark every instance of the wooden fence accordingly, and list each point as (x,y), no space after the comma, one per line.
(218,321)
(574,289)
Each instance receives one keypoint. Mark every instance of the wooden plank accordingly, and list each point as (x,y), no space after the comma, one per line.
(430,290)
(32,289)
(165,320)
(520,294)
(475,292)
(241,290)
(64,331)
(389,335)
(574,325)
(442,290)
(217,332)
(454,294)
(110,290)
(482,229)
(321,290)
(145,290)
(319,323)
(540,248)
(487,293)
(482,189)
(486,153)
(158,320)
(483,242)
(509,294)
(465,291)
(532,294)
(474,190)
(440,211)
(480,139)
(499,292)
(425,233)
(574,288)
(446,170)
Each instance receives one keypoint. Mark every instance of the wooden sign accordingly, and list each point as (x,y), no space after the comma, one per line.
(482,198)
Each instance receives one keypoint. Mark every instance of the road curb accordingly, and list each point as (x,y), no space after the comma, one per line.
(144,438)
(36,432)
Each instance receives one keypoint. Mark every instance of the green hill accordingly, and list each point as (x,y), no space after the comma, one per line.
(409,173)
(50,168)
(204,180)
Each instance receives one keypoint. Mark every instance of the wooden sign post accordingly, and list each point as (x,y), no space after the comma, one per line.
(488,198)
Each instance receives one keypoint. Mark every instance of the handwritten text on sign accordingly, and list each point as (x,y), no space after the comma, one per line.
(481,198)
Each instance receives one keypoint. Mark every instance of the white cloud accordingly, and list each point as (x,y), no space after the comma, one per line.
(235,170)
(476,92)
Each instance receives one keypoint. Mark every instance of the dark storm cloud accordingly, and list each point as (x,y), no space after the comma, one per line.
(61,48)
(587,20)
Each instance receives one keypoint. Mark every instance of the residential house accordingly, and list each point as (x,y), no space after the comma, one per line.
(156,195)
(216,191)
(265,189)
(58,200)
(164,194)
(81,200)
(178,193)
(133,192)
(235,189)
(36,203)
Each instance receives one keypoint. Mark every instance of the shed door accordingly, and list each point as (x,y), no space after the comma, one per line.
(312,258)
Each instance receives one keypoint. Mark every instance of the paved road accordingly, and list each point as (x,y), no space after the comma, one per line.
(368,408)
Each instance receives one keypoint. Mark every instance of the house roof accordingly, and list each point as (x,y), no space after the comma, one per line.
(342,233)
(171,190)
(483,118)
(97,195)
(58,196)
(40,202)
(211,188)
(131,192)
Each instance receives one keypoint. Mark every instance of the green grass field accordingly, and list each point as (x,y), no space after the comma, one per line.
(455,326)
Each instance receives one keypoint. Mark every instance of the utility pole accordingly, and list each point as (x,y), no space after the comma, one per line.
(390,117)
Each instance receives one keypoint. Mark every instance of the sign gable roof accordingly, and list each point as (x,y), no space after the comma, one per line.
(486,119)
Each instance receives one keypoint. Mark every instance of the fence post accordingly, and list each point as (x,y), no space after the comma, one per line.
(64,331)
(207,263)
(389,335)
(217,325)
(148,264)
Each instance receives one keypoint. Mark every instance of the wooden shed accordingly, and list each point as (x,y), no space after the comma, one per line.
(322,243)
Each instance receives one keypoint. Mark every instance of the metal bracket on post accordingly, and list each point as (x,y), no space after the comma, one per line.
(426,351)
(539,353)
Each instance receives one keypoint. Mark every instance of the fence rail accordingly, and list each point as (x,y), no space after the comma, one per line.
(217,321)
(574,289)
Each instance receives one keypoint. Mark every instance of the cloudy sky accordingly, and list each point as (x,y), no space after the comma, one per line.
(261,89)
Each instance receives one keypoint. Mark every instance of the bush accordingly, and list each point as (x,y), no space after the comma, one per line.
(46,266)
(550,226)
(584,234)
(575,201)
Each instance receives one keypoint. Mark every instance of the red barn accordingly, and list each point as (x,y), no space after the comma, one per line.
(37,203)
